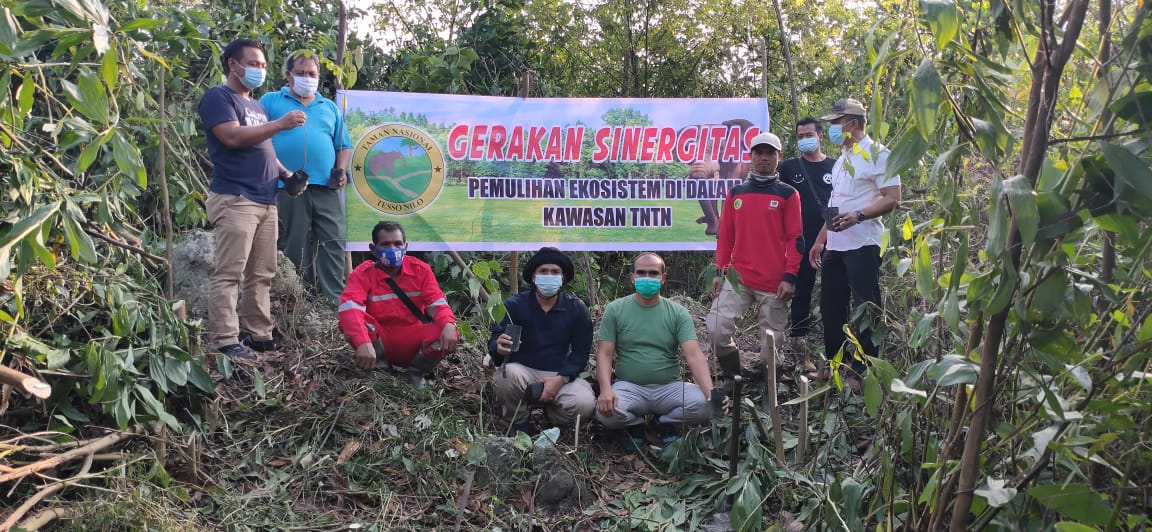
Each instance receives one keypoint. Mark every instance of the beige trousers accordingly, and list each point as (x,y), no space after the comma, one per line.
(245,233)
(772,314)
(575,398)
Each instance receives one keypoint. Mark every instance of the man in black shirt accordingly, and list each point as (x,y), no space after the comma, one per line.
(554,347)
(811,175)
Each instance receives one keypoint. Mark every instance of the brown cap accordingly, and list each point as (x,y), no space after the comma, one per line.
(845,106)
(766,138)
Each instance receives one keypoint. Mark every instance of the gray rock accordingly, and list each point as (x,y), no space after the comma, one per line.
(194,259)
(500,470)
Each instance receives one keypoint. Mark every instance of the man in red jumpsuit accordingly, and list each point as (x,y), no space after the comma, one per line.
(393,312)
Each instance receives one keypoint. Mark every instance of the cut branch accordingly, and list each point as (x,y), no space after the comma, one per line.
(25,383)
(86,451)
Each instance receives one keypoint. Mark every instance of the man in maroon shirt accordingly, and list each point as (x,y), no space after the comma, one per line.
(762,239)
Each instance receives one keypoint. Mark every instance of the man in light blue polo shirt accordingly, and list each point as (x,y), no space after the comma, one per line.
(312,226)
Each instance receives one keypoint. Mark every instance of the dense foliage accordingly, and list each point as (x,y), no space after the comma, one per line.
(1015,390)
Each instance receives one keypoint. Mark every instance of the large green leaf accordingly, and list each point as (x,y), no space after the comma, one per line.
(1077,501)
(19,231)
(953,369)
(906,153)
(1022,199)
(927,95)
(8,29)
(943,19)
(998,223)
(1129,169)
(128,159)
(747,513)
(88,96)
(1135,108)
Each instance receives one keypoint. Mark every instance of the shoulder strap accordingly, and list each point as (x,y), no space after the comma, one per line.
(808,180)
(407,301)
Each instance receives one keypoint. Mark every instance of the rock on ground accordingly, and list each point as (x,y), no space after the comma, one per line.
(499,471)
(194,259)
(558,486)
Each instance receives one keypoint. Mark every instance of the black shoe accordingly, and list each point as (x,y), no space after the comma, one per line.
(236,351)
(262,346)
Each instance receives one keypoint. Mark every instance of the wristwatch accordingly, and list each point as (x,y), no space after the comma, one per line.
(860,216)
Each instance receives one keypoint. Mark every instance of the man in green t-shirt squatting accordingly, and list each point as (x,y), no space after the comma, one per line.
(645,332)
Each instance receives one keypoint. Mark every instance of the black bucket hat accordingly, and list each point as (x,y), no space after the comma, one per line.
(548,255)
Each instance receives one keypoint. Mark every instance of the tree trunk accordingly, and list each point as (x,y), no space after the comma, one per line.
(787,62)
(1047,68)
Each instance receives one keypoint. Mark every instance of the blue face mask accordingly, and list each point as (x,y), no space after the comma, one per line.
(548,284)
(808,145)
(646,286)
(390,257)
(253,77)
(836,134)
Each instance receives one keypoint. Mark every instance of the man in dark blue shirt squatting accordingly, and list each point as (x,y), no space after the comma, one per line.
(555,344)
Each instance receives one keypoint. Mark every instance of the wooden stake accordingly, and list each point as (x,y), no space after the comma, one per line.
(802,447)
(768,354)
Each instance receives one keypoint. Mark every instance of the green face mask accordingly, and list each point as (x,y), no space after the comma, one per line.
(647,286)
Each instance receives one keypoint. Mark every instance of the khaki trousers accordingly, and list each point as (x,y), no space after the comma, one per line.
(245,233)
(772,314)
(575,398)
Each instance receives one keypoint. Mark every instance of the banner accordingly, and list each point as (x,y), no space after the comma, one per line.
(477,173)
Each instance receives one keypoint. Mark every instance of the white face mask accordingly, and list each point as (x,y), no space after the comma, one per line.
(305,87)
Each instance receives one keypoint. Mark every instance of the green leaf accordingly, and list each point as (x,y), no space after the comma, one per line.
(1129,169)
(1068,526)
(906,153)
(110,69)
(873,394)
(1135,108)
(90,152)
(25,94)
(200,378)
(80,243)
(128,159)
(943,19)
(998,223)
(1077,501)
(925,275)
(953,369)
(157,409)
(19,231)
(1145,332)
(927,95)
(923,330)
(733,278)
(1022,199)
(88,97)
(747,513)
(1050,298)
(1005,287)
(8,30)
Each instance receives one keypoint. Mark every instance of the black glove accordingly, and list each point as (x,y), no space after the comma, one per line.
(335,177)
(295,182)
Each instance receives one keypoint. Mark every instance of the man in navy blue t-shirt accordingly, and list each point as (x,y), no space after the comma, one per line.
(241,202)
(811,176)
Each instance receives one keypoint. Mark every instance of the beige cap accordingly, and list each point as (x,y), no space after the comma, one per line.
(766,138)
(845,106)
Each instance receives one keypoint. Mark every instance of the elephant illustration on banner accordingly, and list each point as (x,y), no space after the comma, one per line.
(706,169)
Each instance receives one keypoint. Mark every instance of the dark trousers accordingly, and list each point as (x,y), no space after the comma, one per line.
(850,277)
(802,299)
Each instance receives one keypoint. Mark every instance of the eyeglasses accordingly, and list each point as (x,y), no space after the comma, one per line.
(647,273)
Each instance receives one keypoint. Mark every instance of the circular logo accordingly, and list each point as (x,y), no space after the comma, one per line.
(398,169)
(828,179)
(738,203)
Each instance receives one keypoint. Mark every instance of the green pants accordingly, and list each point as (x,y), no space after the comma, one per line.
(312,235)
